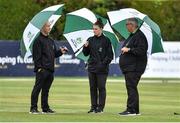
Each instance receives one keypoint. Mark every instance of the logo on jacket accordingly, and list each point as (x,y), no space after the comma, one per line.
(100,49)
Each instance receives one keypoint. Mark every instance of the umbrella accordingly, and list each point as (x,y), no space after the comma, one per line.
(78,28)
(150,29)
(32,30)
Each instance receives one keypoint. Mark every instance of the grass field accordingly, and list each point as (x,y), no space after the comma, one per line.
(70,98)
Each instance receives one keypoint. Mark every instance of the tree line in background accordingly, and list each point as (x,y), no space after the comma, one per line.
(15,14)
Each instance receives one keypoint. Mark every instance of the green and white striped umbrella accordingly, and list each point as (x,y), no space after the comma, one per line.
(150,29)
(32,30)
(78,29)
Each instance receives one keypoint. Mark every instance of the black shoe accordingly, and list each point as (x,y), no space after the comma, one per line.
(176,113)
(92,111)
(99,110)
(138,114)
(127,113)
(48,111)
(34,111)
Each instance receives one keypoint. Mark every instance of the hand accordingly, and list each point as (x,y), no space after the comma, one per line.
(125,50)
(86,44)
(63,50)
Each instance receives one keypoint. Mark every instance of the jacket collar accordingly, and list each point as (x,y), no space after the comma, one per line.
(102,35)
(43,34)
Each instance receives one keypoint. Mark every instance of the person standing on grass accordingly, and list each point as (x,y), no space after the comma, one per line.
(44,54)
(133,61)
(99,49)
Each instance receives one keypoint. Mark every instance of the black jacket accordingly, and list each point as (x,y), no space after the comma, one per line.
(100,54)
(134,60)
(44,53)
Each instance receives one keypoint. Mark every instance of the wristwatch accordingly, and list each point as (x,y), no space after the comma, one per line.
(129,49)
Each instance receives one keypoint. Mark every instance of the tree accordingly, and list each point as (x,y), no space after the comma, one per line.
(16,14)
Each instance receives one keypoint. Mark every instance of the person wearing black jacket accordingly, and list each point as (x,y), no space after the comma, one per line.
(100,54)
(44,53)
(133,61)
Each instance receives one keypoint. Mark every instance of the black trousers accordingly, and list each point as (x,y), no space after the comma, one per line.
(97,84)
(43,82)
(132,80)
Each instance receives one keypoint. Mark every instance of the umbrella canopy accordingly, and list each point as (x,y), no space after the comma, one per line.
(150,29)
(32,30)
(78,28)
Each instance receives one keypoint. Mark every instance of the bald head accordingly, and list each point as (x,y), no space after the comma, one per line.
(46,28)
(132,24)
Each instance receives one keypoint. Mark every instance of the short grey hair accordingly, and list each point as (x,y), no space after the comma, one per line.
(133,21)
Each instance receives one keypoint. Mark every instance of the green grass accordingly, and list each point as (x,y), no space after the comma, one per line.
(70,98)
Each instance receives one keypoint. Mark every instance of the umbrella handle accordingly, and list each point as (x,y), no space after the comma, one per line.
(78,49)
